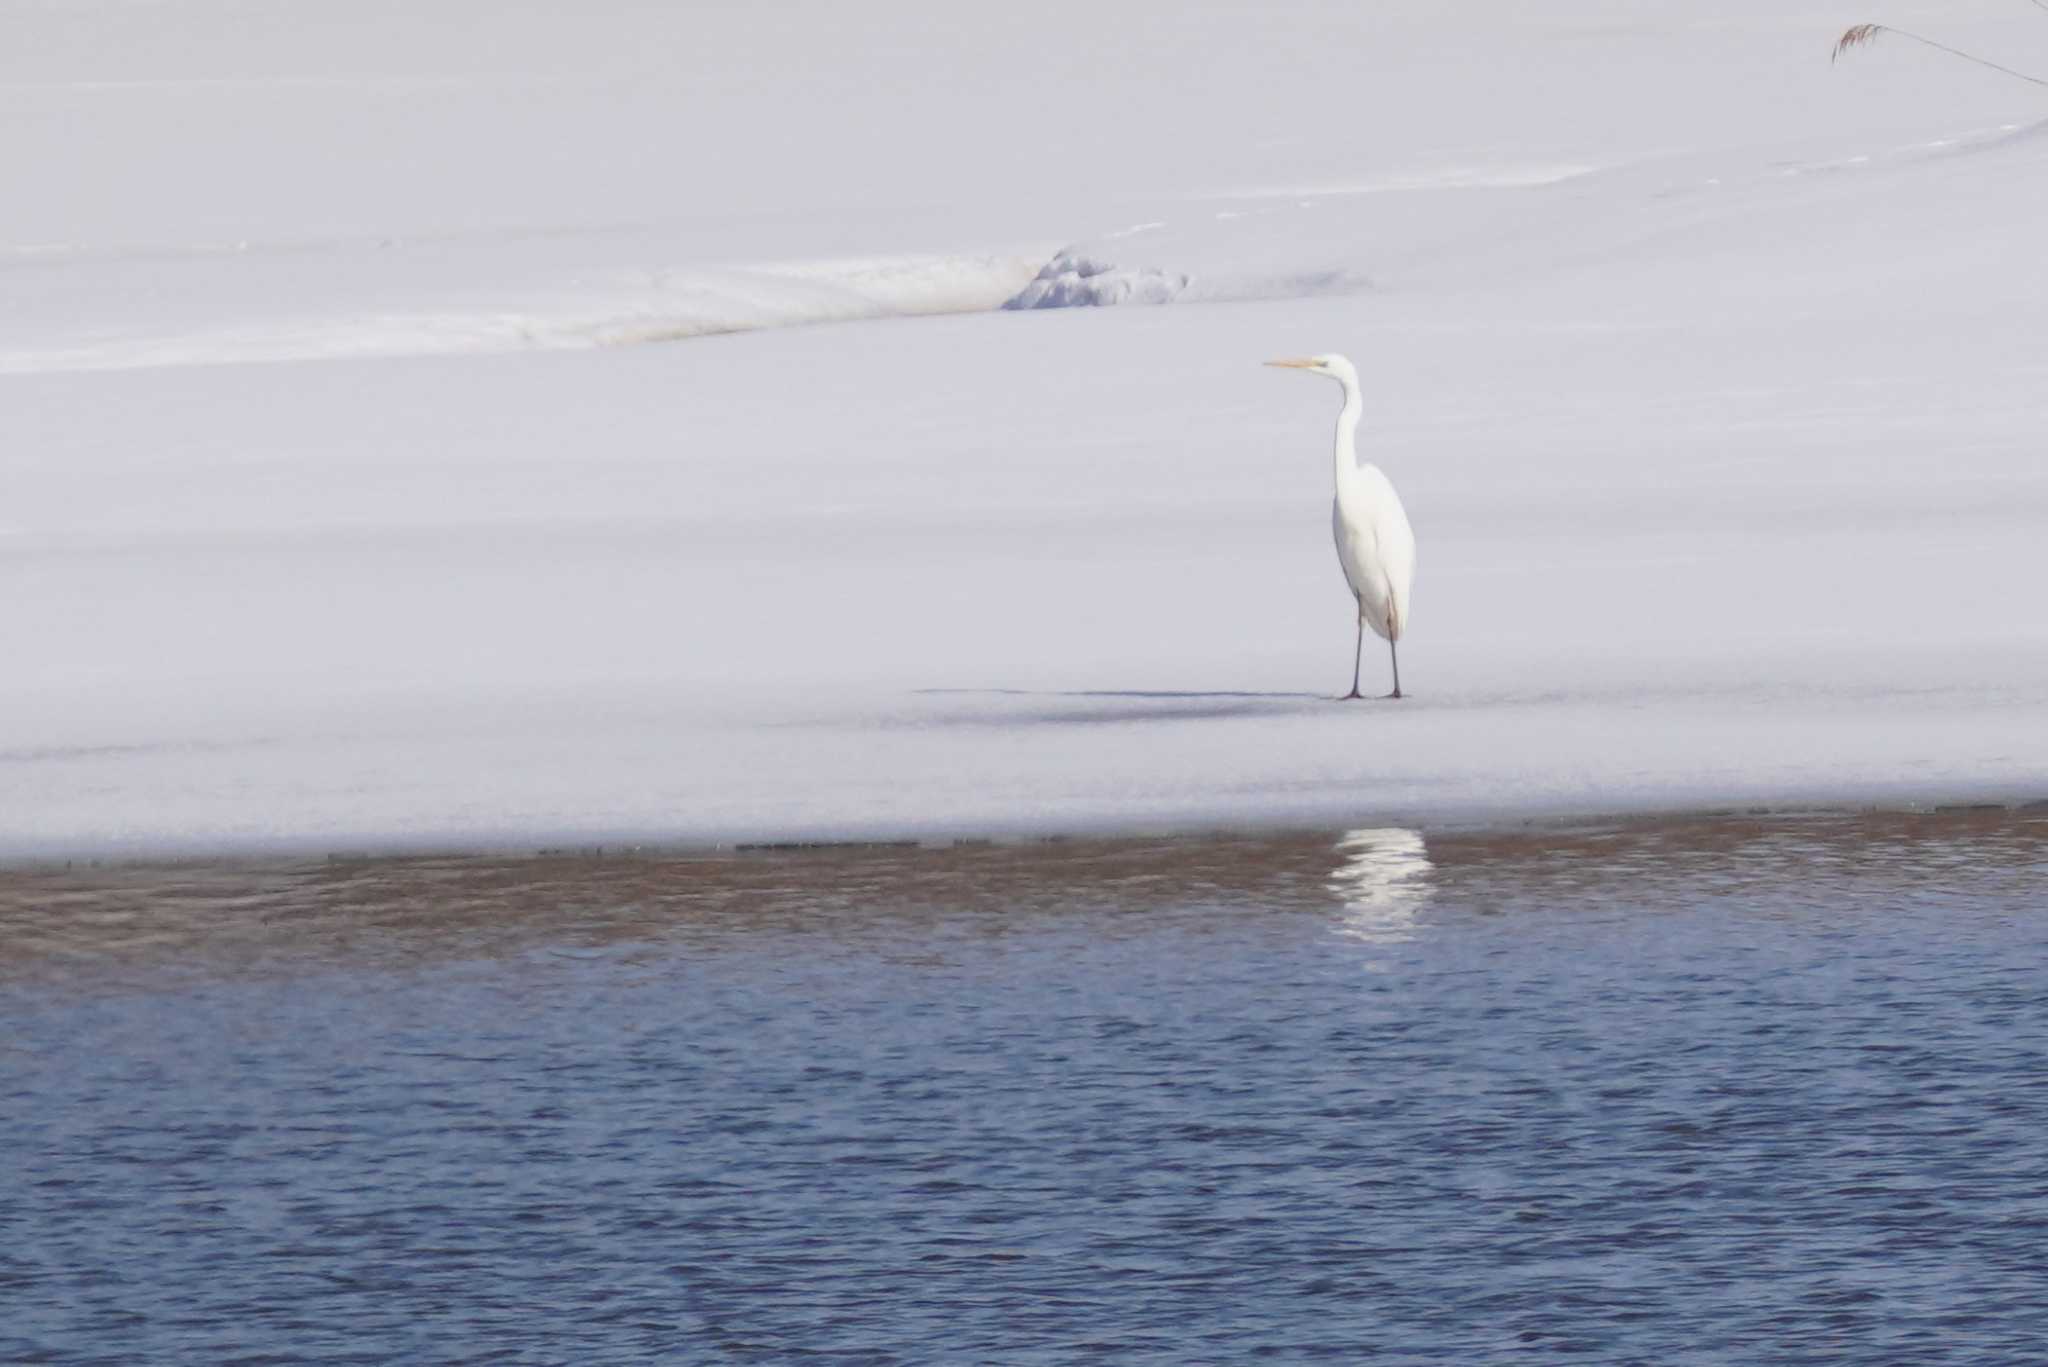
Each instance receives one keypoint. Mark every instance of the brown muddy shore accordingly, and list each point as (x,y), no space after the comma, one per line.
(345,906)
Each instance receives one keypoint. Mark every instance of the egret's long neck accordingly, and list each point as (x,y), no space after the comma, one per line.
(1345,456)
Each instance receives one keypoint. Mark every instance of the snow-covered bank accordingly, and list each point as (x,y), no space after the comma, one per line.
(623,771)
(1713,380)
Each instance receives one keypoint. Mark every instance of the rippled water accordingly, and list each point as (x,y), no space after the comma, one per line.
(1720,1092)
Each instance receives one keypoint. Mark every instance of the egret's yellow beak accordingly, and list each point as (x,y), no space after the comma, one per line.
(1296,362)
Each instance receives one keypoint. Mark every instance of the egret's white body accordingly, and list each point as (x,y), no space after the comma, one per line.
(1375,545)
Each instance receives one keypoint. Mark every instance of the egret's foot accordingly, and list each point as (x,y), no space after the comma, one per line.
(1394,696)
(1354,693)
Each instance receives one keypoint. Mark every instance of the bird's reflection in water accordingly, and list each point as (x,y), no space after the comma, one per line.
(1384,880)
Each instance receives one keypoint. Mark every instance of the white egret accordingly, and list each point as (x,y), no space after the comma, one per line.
(1374,542)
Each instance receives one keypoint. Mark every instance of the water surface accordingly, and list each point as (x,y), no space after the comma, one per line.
(1725,1092)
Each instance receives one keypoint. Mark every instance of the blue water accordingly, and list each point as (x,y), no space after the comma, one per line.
(1726,1092)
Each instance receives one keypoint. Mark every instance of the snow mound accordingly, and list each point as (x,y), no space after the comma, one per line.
(1075,280)
(1232,253)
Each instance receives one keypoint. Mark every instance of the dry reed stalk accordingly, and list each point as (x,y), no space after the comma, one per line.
(1862,35)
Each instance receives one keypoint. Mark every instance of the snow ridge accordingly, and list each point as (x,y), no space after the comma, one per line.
(286,308)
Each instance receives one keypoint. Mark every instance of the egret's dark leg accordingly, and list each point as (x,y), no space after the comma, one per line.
(1357,654)
(1395,656)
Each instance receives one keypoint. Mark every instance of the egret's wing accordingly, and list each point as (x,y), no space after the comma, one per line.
(1386,553)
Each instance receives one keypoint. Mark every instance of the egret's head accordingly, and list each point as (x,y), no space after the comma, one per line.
(1334,366)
